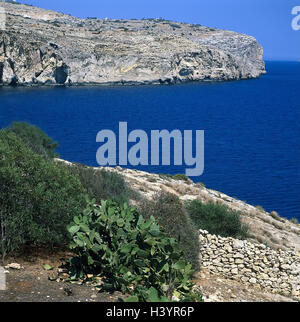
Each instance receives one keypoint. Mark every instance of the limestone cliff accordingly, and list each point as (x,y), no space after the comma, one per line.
(45,48)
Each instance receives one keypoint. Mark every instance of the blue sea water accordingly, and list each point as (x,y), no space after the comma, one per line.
(252,127)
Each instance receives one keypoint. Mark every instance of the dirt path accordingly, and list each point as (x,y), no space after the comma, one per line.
(31,283)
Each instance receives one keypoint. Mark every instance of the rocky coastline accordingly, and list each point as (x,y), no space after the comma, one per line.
(42,47)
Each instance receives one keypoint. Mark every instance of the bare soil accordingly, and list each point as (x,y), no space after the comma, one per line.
(32,283)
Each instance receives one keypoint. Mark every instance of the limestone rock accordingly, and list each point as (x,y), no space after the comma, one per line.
(252,264)
(13,266)
(252,280)
(42,47)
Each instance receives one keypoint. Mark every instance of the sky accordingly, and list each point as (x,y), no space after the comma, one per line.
(269,21)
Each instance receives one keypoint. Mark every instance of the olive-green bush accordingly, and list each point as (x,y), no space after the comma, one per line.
(102,184)
(177,176)
(217,219)
(169,212)
(37,197)
(35,138)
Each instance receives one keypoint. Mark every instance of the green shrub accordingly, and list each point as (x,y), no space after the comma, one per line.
(102,184)
(37,198)
(182,177)
(173,25)
(177,176)
(35,138)
(294,220)
(217,219)
(274,214)
(130,254)
(200,185)
(260,208)
(169,212)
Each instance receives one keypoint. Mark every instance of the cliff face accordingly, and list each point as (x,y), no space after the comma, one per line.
(45,47)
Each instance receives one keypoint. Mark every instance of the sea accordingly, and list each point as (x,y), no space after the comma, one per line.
(251,127)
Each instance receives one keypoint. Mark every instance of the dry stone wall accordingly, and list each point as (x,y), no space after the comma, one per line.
(276,271)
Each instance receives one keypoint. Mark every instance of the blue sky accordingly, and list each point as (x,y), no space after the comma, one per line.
(269,21)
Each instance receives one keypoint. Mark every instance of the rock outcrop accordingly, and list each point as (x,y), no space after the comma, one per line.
(42,47)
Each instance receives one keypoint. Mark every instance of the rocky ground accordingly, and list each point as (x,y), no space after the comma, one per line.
(264,227)
(42,47)
(263,268)
(30,283)
(217,288)
(274,237)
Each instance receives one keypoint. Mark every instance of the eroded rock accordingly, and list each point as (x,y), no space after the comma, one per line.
(43,47)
